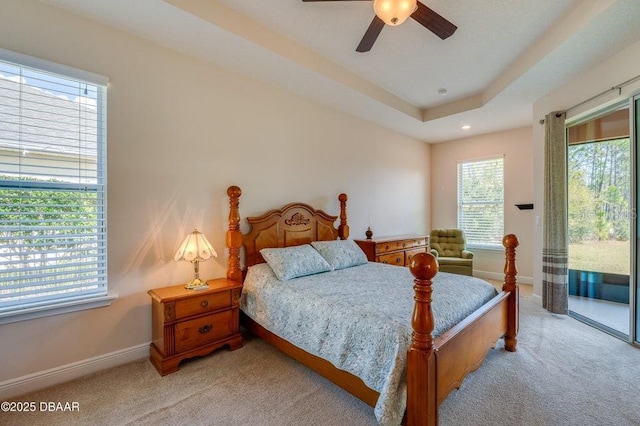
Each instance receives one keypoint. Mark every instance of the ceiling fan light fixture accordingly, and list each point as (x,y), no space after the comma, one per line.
(394,12)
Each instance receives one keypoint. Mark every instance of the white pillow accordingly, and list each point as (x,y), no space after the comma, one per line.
(295,261)
(341,254)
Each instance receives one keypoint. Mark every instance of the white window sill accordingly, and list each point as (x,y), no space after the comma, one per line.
(56,309)
(496,247)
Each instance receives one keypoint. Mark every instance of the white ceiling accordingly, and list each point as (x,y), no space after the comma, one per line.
(505,55)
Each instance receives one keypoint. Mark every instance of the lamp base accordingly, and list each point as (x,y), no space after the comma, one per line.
(196,284)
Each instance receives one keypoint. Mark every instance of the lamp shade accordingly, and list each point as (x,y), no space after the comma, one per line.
(394,12)
(195,247)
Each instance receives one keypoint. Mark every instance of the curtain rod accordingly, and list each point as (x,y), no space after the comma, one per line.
(617,87)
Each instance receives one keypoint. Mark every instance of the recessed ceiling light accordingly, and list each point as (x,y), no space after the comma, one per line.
(466,127)
(442,92)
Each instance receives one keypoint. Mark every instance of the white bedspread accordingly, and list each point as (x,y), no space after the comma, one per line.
(359,319)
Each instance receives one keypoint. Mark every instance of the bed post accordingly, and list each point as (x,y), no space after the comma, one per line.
(234,236)
(343,229)
(422,406)
(510,242)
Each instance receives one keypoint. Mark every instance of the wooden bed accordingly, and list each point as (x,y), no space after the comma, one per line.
(434,366)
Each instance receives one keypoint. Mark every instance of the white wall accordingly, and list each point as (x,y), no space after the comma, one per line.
(516,146)
(616,69)
(181,131)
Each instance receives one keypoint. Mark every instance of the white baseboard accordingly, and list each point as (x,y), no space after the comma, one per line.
(500,277)
(43,379)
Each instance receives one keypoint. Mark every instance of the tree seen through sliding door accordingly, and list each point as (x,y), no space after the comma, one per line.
(599,211)
(600,214)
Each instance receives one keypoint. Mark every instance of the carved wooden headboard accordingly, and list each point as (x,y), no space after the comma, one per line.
(291,225)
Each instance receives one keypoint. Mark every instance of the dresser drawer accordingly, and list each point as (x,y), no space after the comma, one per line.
(200,331)
(394,250)
(388,246)
(416,242)
(392,258)
(410,253)
(203,304)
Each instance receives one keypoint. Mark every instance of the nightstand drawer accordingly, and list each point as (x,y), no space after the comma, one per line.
(205,303)
(392,258)
(200,331)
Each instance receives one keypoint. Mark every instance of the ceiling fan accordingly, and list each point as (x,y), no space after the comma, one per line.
(395,12)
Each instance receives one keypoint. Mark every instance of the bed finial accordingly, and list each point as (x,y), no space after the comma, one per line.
(510,242)
(343,229)
(234,236)
(424,267)
(422,407)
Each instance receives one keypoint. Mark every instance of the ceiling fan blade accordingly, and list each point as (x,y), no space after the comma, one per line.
(371,35)
(433,22)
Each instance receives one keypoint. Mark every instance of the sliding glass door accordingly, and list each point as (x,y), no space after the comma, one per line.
(600,184)
(635,295)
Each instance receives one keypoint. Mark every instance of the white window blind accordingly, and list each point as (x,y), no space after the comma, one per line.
(481,201)
(53,248)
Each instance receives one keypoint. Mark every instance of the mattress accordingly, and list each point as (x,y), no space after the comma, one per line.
(359,319)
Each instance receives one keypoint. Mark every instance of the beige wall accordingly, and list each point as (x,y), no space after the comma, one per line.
(616,69)
(516,146)
(181,131)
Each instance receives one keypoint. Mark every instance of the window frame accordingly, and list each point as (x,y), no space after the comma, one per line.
(73,302)
(469,236)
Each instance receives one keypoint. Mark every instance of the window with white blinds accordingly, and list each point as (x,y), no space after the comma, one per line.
(481,201)
(53,213)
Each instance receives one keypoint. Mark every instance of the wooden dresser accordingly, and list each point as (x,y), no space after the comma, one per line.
(188,323)
(395,250)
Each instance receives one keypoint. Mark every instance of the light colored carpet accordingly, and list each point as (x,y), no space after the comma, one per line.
(564,373)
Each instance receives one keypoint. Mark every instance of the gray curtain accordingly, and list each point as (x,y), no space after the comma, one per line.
(554,233)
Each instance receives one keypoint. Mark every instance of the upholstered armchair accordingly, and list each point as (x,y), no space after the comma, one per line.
(450,248)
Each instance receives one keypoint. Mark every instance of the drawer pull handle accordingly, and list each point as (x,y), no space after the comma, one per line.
(205,329)
(387,248)
(204,303)
(398,259)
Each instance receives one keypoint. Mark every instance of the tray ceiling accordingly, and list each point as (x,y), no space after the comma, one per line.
(504,56)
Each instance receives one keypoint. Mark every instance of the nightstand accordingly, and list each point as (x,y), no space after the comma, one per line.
(396,250)
(188,323)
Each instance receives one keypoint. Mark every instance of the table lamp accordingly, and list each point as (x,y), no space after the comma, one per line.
(195,249)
